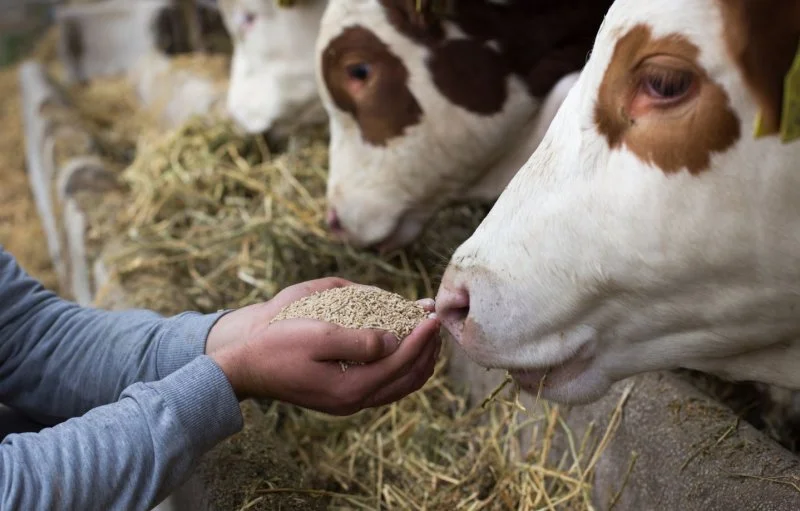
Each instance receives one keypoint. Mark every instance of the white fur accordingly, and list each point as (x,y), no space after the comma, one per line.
(386,194)
(272,72)
(592,249)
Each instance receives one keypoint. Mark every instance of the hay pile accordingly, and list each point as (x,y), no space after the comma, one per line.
(221,218)
(431,451)
(110,111)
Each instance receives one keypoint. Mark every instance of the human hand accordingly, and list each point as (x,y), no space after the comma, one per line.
(297,360)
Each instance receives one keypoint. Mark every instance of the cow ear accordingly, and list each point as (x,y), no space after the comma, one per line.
(421,13)
(764,39)
(415,19)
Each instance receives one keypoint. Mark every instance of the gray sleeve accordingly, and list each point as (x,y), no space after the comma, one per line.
(128,455)
(59,360)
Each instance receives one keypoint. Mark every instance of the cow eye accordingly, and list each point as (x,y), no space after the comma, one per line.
(668,85)
(359,72)
(244,21)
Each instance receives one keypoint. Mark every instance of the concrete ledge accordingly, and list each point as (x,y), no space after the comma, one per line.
(689,453)
(675,447)
(37,93)
(63,166)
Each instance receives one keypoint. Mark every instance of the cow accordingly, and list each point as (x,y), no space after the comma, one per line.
(657,225)
(433,107)
(273,84)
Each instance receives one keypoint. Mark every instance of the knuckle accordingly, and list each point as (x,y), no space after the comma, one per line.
(332,282)
(372,346)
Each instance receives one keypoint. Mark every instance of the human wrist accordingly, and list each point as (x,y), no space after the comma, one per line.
(234,326)
(229,362)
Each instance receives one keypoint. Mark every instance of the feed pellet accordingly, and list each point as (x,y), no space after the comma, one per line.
(358,307)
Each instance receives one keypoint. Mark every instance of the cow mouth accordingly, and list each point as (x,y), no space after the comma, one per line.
(407,229)
(541,380)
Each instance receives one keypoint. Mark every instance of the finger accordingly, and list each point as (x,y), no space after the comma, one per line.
(428,304)
(414,380)
(390,368)
(353,345)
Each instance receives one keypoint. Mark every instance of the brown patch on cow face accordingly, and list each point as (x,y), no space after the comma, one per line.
(369,82)
(762,37)
(538,41)
(656,101)
(453,69)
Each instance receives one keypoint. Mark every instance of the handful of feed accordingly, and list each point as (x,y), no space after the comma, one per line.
(358,307)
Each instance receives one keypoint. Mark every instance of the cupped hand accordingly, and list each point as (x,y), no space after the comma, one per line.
(297,360)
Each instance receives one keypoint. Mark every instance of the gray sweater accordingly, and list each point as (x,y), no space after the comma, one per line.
(136,400)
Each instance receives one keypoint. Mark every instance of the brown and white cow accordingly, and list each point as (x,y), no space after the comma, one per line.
(428,109)
(651,229)
(273,85)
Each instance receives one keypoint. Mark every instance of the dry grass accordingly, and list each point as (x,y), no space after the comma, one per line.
(110,110)
(229,223)
(432,451)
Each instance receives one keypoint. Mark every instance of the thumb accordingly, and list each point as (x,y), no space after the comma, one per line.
(356,345)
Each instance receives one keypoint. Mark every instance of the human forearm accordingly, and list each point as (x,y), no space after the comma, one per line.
(59,360)
(127,455)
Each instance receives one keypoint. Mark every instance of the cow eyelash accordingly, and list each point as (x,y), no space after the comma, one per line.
(667,85)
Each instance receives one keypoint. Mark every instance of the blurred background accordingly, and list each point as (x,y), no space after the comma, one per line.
(21,24)
(108,79)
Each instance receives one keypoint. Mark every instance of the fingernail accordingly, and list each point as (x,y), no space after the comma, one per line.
(390,342)
(426,303)
(433,315)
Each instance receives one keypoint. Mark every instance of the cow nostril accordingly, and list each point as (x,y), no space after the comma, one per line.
(452,307)
(334,224)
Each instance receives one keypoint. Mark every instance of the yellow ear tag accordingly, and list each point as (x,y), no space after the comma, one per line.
(790,110)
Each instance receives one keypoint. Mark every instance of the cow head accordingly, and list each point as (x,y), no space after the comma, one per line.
(651,229)
(273,84)
(426,110)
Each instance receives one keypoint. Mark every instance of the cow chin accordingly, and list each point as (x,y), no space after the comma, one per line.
(575,382)
(380,228)
(561,368)
(249,115)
